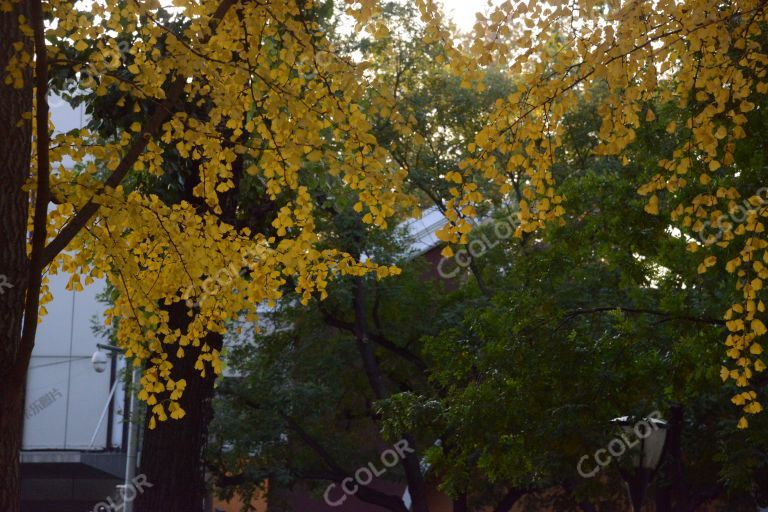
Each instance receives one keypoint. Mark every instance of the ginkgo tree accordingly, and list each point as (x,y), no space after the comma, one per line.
(706,58)
(277,94)
(274,92)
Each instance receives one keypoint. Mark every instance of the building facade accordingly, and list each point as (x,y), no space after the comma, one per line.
(72,452)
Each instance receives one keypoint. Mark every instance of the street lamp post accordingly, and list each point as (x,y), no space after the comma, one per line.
(99,364)
(651,434)
(133,444)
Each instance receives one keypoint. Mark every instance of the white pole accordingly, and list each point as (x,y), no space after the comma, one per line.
(103,413)
(133,445)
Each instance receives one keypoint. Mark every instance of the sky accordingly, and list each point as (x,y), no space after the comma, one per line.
(463,11)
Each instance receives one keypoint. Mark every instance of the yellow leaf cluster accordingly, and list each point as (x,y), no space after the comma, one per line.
(279,96)
(704,57)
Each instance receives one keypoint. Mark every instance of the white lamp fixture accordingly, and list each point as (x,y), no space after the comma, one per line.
(99,360)
(651,434)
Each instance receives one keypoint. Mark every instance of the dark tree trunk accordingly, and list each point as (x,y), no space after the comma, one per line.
(172,453)
(672,491)
(584,506)
(509,500)
(460,503)
(411,463)
(15,154)
(12,388)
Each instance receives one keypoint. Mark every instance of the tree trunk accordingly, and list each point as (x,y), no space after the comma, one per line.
(509,499)
(411,463)
(15,154)
(12,388)
(672,490)
(460,503)
(172,453)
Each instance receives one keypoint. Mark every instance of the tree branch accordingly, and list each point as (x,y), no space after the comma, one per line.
(43,191)
(509,499)
(139,144)
(338,474)
(411,463)
(378,339)
(641,311)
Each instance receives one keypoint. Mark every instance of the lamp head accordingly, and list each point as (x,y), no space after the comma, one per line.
(99,361)
(651,433)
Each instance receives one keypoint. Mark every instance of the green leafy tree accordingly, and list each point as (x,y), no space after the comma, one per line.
(604,315)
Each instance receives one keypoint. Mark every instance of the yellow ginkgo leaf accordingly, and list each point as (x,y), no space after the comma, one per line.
(653,205)
(671,127)
(758,327)
(746,106)
(721,132)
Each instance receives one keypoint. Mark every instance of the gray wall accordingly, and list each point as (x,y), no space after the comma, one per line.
(65,396)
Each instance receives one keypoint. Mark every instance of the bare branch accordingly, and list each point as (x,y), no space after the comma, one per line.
(42,193)
(641,311)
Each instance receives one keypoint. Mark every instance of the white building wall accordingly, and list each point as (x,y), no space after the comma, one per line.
(65,395)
